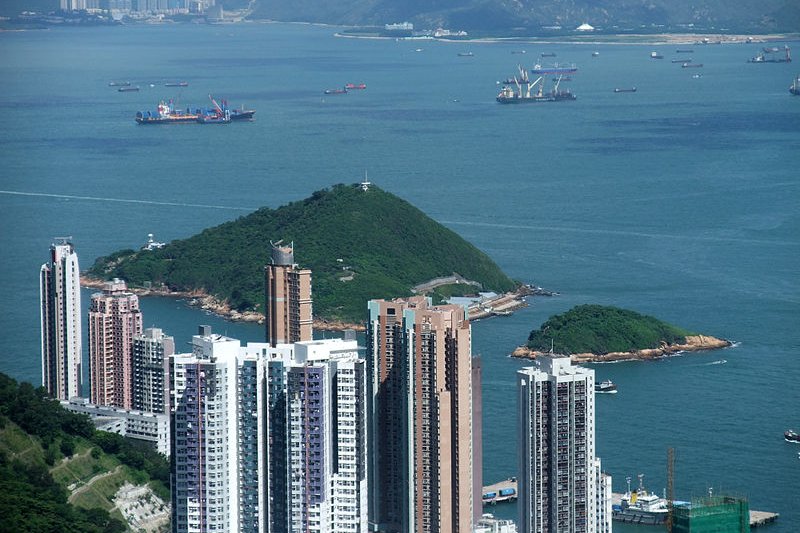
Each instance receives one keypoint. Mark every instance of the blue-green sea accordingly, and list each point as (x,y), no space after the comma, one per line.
(681,200)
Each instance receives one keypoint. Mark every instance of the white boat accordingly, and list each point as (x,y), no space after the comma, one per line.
(640,506)
(605,387)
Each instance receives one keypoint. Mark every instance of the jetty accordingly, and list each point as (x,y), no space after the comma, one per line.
(502,491)
(760,518)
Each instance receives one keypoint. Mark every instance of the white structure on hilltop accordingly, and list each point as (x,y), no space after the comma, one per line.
(60,300)
(559,482)
(318,429)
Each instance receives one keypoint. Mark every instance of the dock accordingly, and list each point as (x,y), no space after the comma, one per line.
(502,491)
(760,518)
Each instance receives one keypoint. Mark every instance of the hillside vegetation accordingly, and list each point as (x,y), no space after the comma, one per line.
(57,473)
(537,17)
(358,244)
(600,329)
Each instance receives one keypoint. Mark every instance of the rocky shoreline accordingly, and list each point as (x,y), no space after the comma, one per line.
(692,343)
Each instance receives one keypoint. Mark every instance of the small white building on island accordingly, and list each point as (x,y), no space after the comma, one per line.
(585,27)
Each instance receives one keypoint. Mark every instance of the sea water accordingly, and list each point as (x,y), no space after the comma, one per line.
(679,201)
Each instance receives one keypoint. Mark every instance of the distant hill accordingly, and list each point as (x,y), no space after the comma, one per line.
(358,244)
(600,329)
(534,16)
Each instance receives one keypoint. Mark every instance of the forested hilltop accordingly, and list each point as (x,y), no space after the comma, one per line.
(359,245)
(537,17)
(600,329)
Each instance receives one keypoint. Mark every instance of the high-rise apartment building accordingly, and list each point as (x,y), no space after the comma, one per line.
(218,436)
(114,321)
(288,309)
(421,410)
(560,484)
(60,301)
(151,351)
(318,438)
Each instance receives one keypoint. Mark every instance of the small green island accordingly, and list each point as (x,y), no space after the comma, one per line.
(360,243)
(596,333)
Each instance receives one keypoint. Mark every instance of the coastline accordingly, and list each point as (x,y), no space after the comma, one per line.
(693,343)
(502,305)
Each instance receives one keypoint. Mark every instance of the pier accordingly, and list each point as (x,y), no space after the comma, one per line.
(502,491)
(760,518)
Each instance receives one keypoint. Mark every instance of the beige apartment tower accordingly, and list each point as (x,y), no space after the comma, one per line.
(421,417)
(288,310)
(114,321)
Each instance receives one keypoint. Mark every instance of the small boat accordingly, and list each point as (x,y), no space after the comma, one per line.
(656,55)
(685,51)
(128,89)
(357,86)
(794,88)
(627,90)
(119,84)
(688,60)
(605,387)
(791,436)
(465,54)
(696,76)
(335,91)
(176,84)
(595,54)
(692,65)
(518,52)
(547,54)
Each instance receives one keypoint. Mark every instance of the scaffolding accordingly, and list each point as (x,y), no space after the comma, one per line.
(712,514)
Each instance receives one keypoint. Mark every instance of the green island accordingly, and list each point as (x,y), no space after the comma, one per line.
(57,473)
(594,333)
(360,244)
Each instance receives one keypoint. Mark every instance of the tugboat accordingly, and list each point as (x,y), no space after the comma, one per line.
(794,88)
(791,436)
(605,387)
(527,91)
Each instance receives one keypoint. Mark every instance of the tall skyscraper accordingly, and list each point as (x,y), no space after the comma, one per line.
(288,310)
(318,438)
(114,321)
(60,300)
(218,446)
(151,351)
(421,410)
(559,480)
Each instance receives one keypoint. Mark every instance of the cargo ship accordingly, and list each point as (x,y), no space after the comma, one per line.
(176,84)
(525,91)
(764,58)
(166,114)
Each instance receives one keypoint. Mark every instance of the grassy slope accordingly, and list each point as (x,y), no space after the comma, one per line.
(390,245)
(599,329)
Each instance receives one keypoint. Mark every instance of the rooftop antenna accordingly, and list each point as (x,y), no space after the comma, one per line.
(366,183)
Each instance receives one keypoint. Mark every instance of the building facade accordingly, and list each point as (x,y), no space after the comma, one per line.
(318,438)
(151,351)
(559,480)
(114,321)
(421,410)
(60,315)
(218,437)
(288,311)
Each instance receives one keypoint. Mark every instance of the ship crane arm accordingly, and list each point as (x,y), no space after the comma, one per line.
(216,106)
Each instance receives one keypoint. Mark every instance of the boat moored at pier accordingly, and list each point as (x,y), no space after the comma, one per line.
(640,506)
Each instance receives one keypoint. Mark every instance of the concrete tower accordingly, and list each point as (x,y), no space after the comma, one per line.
(421,409)
(60,300)
(114,321)
(288,307)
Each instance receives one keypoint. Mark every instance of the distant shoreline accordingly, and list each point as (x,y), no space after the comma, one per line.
(692,343)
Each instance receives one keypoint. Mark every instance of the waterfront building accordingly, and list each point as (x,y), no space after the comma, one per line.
(152,428)
(288,310)
(151,351)
(114,321)
(60,309)
(560,479)
(421,417)
(218,437)
(318,438)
